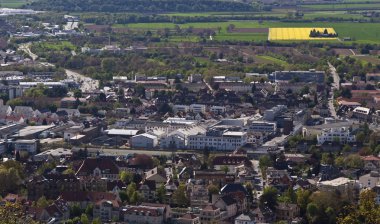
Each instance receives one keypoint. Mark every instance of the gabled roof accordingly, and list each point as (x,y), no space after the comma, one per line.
(231,188)
(230,160)
(228,200)
(106,165)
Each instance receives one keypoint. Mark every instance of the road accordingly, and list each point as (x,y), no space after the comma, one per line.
(87,84)
(26,49)
(334,85)
(126,151)
(259,185)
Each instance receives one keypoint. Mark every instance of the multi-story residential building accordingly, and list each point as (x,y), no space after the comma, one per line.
(298,76)
(107,210)
(210,214)
(189,219)
(143,214)
(198,108)
(218,109)
(262,126)
(180,108)
(224,141)
(341,135)
(271,114)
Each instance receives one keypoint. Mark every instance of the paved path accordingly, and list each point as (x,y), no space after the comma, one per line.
(335,85)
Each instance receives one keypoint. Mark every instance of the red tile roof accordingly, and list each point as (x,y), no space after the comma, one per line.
(106,165)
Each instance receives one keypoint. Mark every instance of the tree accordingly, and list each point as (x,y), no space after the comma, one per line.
(96,221)
(225,169)
(269,197)
(13,213)
(78,93)
(42,202)
(84,219)
(312,212)
(212,189)
(89,210)
(265,162)
(161,193)
(347,148)
(327,158)
(135,198)
(366,212)
(180,197)
(108,65)
(303,199)
(131,189)
(126,177)
(360,137)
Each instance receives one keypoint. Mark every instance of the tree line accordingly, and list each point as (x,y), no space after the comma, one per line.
(148,6)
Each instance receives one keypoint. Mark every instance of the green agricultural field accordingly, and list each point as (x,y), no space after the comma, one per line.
(55,46)
(13,3)
(359,32)
(343,6)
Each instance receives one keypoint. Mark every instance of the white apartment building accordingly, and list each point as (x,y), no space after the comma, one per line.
(333,134)
(262,126)
(228,141)
(271,114)
(218,109)
(180,108)
(198,108)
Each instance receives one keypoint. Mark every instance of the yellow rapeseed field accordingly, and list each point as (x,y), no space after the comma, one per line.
(297,33)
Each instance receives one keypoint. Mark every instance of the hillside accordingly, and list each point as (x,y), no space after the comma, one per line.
(147,6)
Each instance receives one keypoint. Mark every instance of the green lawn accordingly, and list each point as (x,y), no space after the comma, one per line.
(13,3)
(273,60)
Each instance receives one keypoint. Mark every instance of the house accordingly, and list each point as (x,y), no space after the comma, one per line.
(210,214)
(238,192)
(147,190)
(24,111)
(69,102)
(99,167)
(279,179)
(143,214)
(287,211)
(197,108)
(70,113)
(371,162)
(189,218)
(370,180)
(156,176)
(5,110)
(245,219)
(50,185)
(362,113)
(228,205)
(84,198)
(59,210)
(346,187)
(107,210)
(264,215)
(231,161)
(146,141)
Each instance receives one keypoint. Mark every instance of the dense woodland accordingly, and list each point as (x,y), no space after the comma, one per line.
(140,6)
